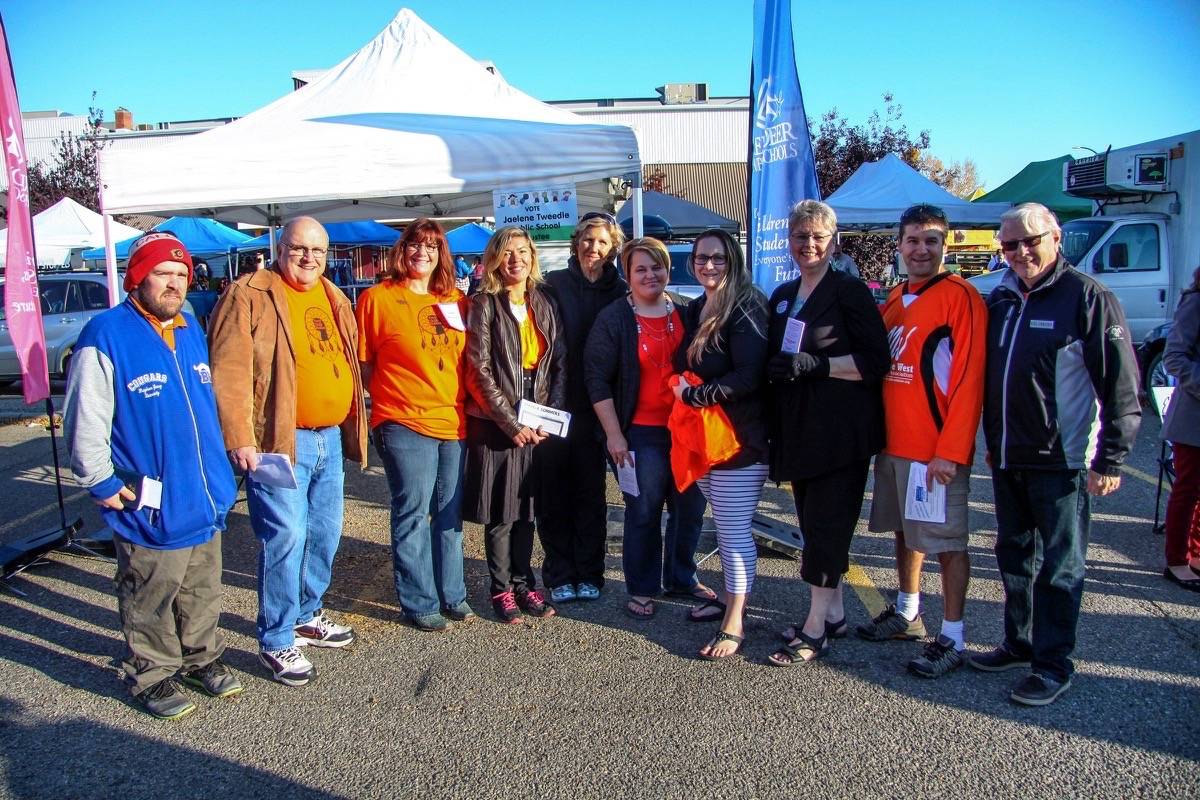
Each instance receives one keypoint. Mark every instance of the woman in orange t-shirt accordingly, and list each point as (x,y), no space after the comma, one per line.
(411,341)
(628,360)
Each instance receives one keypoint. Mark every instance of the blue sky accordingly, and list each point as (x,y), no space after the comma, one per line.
(1001,83)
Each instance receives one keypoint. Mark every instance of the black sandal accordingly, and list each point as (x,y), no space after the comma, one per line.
(722,636)
(806,651)
(701,612)
(833,630)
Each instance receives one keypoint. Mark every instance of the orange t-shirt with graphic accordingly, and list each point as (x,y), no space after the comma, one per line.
(416,359)
(324,383)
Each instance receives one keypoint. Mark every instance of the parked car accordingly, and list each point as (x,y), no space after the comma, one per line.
(69,300)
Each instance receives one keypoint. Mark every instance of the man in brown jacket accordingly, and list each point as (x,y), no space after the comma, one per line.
(283,347)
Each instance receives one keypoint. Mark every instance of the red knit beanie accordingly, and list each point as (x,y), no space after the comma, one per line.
(151,250)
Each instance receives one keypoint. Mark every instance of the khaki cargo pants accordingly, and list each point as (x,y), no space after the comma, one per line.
(169,602)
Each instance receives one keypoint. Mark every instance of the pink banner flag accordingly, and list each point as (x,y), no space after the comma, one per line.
(22,307)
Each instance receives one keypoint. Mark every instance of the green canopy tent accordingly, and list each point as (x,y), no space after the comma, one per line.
(1040,182)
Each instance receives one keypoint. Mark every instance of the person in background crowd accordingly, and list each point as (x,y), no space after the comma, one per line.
(1060,414)
(573,522)
(128,419)
(1181,428)
(200,282)
(627,361)
(515,353)
(842,261)
(996,262)
(726,348)
(287,381)
(932,401)
(462,274)
(826,418)
(411,347)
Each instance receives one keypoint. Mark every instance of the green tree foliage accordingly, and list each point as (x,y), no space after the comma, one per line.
(73,170)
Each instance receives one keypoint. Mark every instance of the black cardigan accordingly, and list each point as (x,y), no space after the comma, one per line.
(610,360)
(733,376)
(821,424)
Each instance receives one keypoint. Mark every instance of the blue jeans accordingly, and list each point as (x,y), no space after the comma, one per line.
(425,477)
(298,532)
(1042,521)
(647,571)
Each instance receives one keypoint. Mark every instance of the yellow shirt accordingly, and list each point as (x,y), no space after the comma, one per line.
(324,383)
(533,344)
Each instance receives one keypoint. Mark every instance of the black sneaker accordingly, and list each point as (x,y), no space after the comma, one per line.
(998,660)
(1038,690)
(214,678)
(164,700)
(891,626)
(505,607)
(940,656)
(535,604)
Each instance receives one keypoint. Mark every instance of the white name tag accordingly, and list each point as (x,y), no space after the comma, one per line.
(1044,324)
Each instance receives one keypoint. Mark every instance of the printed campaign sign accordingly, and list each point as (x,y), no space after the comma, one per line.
(548,213)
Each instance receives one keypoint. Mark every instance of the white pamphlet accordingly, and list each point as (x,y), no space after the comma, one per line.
(274,469)
(793,334)
(149,493)
(1161,395)
(922,504)
(452,316)
(550,420)
(627,477)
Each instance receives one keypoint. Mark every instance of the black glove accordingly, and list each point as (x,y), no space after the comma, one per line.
(788,366)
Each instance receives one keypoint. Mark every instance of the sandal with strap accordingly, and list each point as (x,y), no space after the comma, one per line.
(640,609)
(697,592)
(807,650)
(722,636)
(833,630)
(702,612)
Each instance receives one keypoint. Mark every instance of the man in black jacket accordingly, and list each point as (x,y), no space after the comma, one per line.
(1060,414)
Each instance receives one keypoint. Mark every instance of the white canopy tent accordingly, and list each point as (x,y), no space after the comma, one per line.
(63,227)
(878,192)
(407,126)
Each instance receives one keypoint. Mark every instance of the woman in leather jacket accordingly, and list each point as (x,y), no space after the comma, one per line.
(514,353)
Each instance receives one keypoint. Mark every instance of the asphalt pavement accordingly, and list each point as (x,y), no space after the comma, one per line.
(592,703)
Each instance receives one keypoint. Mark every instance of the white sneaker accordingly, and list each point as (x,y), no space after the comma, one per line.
(288,666)
(321,631)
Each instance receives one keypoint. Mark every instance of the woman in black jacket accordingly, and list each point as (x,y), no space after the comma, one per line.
(573,521)
(514,353)
(827,415)
(726,348)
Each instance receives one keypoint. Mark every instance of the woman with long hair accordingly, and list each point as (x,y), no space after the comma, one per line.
(411,341)
(515,353)
(628,361)
(726,348)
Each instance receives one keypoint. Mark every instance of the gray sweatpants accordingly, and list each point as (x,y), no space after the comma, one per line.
(169,601)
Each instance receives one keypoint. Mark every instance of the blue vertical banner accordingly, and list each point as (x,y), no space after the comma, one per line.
(780,164)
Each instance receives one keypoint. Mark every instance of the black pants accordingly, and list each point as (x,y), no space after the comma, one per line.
(572,512)
(509,548)
(828,506)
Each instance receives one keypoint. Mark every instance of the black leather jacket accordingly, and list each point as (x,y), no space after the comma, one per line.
(493,372)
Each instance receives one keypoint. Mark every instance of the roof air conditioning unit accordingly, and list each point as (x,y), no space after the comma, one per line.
(1118,172)
(675,94)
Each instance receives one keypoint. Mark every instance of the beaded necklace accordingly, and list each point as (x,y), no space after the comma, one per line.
(666,339)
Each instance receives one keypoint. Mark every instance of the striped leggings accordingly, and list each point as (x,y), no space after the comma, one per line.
(733,495)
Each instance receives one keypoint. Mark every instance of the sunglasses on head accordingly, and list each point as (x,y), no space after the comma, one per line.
(1008,245)
(609,218)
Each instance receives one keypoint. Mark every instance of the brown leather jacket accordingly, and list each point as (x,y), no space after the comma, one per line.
(493,372)
(253,363)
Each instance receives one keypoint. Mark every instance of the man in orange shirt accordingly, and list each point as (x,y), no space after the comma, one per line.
(286,375)
(932,401)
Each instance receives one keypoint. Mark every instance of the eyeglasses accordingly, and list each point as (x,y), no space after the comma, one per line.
(810,237)
(296,251)
(717,260)
(1008,245)
(601,215)
(430,247)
